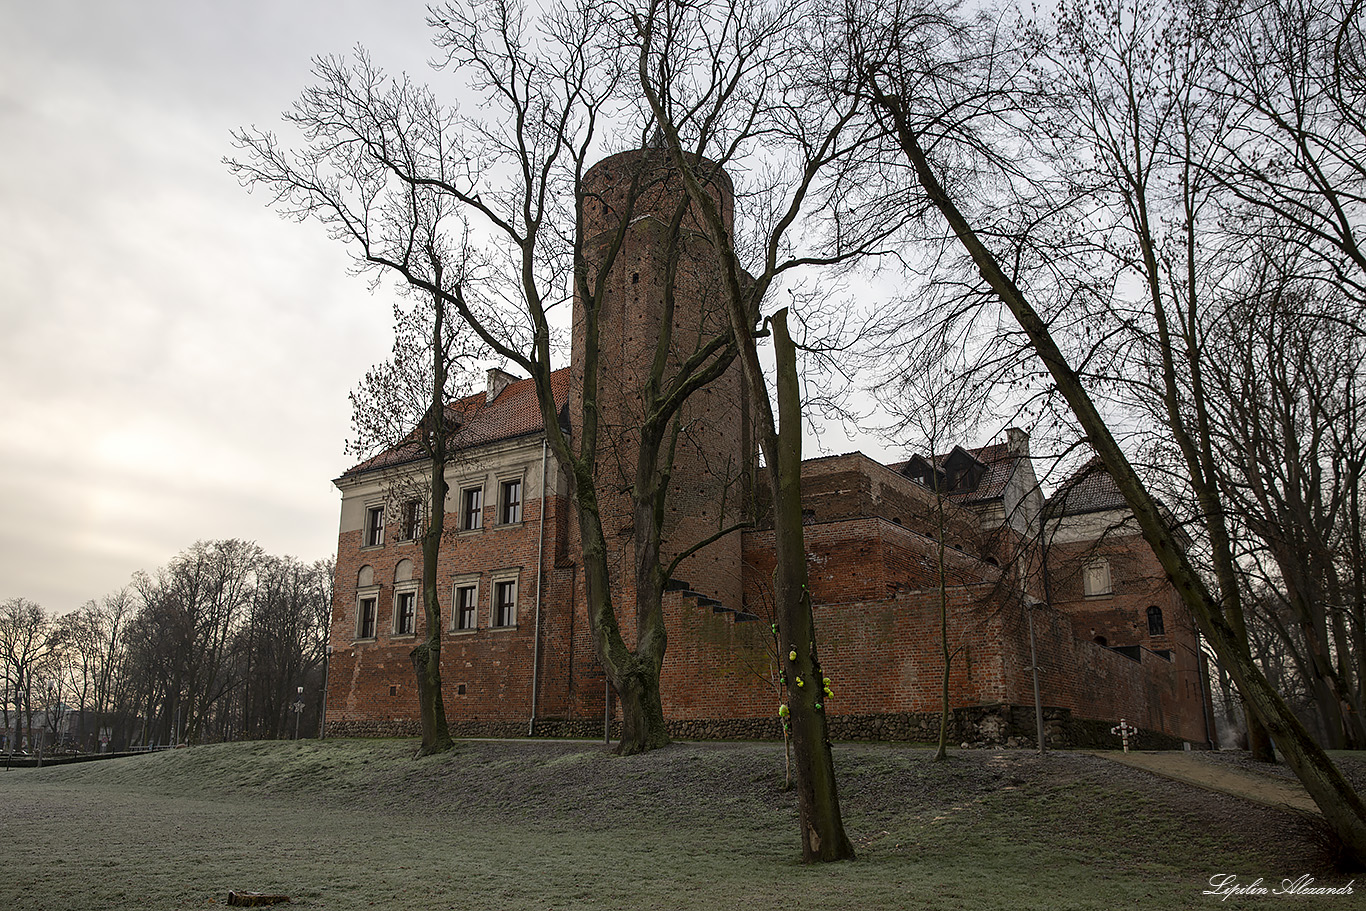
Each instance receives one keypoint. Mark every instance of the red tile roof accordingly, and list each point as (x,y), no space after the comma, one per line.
(513,413)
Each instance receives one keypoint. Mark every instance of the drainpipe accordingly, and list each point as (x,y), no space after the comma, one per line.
(540,564)
(1034,662)
(1202,669)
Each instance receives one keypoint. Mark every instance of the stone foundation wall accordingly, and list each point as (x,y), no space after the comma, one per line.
(394,727)
(977,726)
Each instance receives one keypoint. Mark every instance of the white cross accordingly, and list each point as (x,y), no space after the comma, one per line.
(1124,729)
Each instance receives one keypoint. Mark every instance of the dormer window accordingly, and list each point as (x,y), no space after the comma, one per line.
(963,471)
(921,471)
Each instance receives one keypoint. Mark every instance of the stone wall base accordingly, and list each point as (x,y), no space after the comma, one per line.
(975,726)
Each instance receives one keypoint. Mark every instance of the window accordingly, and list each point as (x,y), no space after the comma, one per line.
(471,508)
(411,522)
(510,502)
(1095,579)
(365,617)
(466,606)
(405,613)
(505,603)
(1155,625)
(374,526)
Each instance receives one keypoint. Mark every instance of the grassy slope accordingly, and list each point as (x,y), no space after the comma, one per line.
(554,825)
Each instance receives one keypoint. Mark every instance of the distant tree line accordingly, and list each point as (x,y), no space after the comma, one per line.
(212,646)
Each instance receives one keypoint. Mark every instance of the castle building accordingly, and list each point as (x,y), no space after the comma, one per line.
(1063,590)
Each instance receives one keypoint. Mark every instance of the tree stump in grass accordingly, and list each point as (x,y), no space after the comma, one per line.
(254,899)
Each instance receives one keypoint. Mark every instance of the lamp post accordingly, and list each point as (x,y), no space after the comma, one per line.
(298,712)
(327,670)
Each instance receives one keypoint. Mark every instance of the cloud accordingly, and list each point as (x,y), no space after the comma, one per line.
(174,358)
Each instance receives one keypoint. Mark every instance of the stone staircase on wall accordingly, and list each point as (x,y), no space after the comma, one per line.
(685,590)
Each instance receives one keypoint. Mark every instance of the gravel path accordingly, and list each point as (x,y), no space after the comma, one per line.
(1270,786)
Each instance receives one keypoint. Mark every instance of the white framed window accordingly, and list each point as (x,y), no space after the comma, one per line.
(374,526)
(503,599)
(404,619)
(1095,579)
(471,508)
(405,610)
(510,501)
(367,608)
(405,613)
(465,603)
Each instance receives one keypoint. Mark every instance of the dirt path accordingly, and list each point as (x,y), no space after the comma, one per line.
(1213,775)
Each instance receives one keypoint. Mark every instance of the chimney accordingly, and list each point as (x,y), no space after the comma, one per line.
(498,381)
(1017,441)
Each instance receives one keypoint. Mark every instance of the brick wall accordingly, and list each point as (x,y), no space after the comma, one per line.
(872,554)
(879,645)
(487,672)
(1176,695)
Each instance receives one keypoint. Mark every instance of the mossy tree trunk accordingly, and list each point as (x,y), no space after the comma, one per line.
(822,827)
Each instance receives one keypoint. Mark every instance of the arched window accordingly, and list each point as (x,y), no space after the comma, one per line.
(367,602)
(405,599)
(1155,625)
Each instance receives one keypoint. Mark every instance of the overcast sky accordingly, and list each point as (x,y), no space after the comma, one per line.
(174,358)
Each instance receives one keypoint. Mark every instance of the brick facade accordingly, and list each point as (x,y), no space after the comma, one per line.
(872,545)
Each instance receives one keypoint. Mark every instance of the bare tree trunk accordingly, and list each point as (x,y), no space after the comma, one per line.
(822,828)
(642,713)
(426,657)
(634,676)
(942,752)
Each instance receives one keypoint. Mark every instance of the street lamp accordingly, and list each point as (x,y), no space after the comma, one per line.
(298,712)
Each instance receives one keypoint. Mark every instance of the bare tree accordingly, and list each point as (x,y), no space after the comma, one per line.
(28,640)
(281,642)
(725,81)
(1139,110)
(1203,134)
(403,407)
(1291,440)
(1293,74)
(379,153)
(896,87)
(189,613)
(936,402)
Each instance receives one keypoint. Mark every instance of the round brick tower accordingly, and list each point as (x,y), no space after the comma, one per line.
(707,491)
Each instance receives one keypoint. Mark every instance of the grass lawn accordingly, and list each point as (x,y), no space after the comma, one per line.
(566,825)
